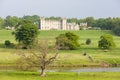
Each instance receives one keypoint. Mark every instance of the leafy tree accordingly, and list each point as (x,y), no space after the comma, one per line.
(34,19)
(68,40)
(88,41)
(116,23)
(26,33)
(106,42)
(90,21)
(8,44)
(11,21)
(72,20)
(109,23)
(1,23)
(54,18)
(116,30)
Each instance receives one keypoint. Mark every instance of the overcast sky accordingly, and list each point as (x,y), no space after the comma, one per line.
(62,8)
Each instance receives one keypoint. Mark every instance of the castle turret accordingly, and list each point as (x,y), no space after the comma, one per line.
(64,23)
(42,23)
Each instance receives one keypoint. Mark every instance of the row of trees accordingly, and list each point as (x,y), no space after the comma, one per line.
(103,23)
(26,33)
(12,21)
(70,41)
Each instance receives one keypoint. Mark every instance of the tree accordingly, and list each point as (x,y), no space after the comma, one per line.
(42,55)
(68,40)
(109,23)
(11,21)
(26,33)
(1,23)
(116,23)
(90,21)
(106,42)
(88,41)
(116,30)
(34,19)
(8,44)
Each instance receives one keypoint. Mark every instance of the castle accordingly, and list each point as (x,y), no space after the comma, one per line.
(47,24)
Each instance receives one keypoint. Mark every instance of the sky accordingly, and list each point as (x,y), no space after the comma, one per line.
(61,8)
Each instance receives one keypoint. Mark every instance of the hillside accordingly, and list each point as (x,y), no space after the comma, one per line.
(67,57)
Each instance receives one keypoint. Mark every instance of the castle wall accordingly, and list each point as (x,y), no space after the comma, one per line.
(57,25)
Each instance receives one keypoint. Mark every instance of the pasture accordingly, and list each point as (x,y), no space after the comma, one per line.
(68,57)
(14,75)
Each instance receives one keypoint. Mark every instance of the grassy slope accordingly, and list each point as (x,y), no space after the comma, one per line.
(6,35)
(66,57)
(59,76)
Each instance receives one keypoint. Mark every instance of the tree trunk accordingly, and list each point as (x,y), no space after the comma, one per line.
(43,73)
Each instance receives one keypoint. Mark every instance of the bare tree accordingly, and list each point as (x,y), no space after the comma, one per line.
(45,60)
(40,56)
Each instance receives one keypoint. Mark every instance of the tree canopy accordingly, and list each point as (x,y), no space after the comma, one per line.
(1,22)
(68,40)
(106,42)
(26,33)
(100,23)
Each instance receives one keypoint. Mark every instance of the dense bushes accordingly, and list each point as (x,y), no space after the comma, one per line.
(68,41)
(8,44)
(106,42)
(88,41)
(116,30)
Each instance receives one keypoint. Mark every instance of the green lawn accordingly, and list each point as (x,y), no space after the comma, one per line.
(67,57)
(6,35)
(59,76)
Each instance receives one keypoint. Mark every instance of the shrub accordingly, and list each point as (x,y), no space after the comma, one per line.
(116,30)
(88,41)
(106,42)
(67,41)
(8,44)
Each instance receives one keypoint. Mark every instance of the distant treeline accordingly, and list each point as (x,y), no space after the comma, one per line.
(102,23)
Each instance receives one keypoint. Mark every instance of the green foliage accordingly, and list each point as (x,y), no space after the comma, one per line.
(106,42)
(90,21)
(100,23)
(53,18)
(34,19)
(1,23)
(8,44)
(67,57)
(68,40)
(116,30)
(88,41)
(11,21)
(26,33)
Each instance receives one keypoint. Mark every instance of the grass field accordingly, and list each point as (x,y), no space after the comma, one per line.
(67,57)
(59,76)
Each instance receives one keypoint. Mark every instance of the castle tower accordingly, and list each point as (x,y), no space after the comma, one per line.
(64,24)
(42,23)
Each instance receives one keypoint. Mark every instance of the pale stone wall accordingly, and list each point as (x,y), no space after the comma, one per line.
(57,24)
(72,26)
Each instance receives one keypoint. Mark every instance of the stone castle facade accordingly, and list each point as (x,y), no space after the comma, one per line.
(46,24)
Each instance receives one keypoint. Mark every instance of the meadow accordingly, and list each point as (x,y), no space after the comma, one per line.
(14,75)
(68,57)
